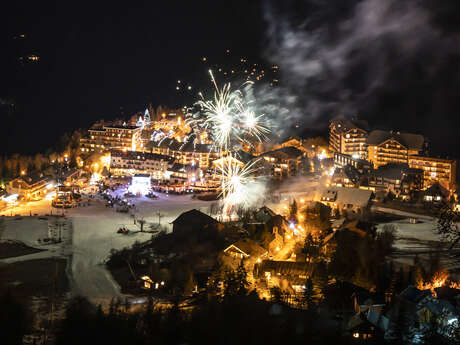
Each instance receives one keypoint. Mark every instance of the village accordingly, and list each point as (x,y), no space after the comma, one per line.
(134,210)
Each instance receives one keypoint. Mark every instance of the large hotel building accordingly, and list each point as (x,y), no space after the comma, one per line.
(348,137)
(125,138)
(350,142)
(393,147)
(188,153)
(133,162)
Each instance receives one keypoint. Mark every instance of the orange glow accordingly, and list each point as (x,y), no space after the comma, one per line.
(439,279)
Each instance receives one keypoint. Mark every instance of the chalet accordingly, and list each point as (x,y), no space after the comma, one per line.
(347,176)
(359,327)
(419,309)
(284,162)
(180,173)
(397,178)
(30,187)
(263,214)
(69,176)
(436,193)
(295,273)
(246,249)
(194,220)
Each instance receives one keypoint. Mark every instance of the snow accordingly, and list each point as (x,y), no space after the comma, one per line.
(90,234)
(421,239)
(414,237)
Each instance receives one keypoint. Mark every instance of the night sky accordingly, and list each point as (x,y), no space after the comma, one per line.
(100,60)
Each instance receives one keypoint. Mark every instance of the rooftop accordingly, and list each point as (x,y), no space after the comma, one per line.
(287,152)
(408,140)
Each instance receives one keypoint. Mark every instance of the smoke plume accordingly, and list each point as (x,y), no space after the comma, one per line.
(370,58)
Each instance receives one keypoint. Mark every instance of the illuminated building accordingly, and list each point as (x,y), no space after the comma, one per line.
(180,173)
(284,162)
(129,163)
(398,178)
(341,160)
(66,196)
(393,147)
(186,153)
(32,187)
(348,137)
(111,137)
(435,170)
(140,184)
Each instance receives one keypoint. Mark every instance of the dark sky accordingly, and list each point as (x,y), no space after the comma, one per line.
(96,58)
(101,58)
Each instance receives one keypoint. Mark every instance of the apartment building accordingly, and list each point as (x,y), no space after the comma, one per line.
(111,137)
(129,163)
(435,170)
(284,162)
(348,137)
(189,153)
(393,147)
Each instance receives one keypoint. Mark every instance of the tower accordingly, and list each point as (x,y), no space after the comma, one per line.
(140,123)
(147,118)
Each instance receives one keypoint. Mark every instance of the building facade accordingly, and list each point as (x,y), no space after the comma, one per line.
(284,162)
(111,137)
(189,153)
(342,160)
(393,147)
(30,187)
(435,170)
(129,163)
(348,137)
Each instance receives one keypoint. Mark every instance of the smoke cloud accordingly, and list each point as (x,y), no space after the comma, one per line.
(367,58)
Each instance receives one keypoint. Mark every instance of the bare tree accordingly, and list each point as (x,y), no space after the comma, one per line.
(141,223)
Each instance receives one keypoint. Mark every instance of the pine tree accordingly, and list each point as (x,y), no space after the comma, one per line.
(308,293)
(293,211)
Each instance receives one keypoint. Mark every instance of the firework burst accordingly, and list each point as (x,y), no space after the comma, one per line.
(230,117)
(235,183)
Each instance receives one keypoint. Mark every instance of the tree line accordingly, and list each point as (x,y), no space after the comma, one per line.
(17,164)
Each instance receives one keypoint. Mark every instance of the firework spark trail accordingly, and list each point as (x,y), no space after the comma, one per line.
(235,181)
(230,117)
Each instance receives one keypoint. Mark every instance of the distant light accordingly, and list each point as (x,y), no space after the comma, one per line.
(178,82)
(189,87)
(355,156)
(204,58)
